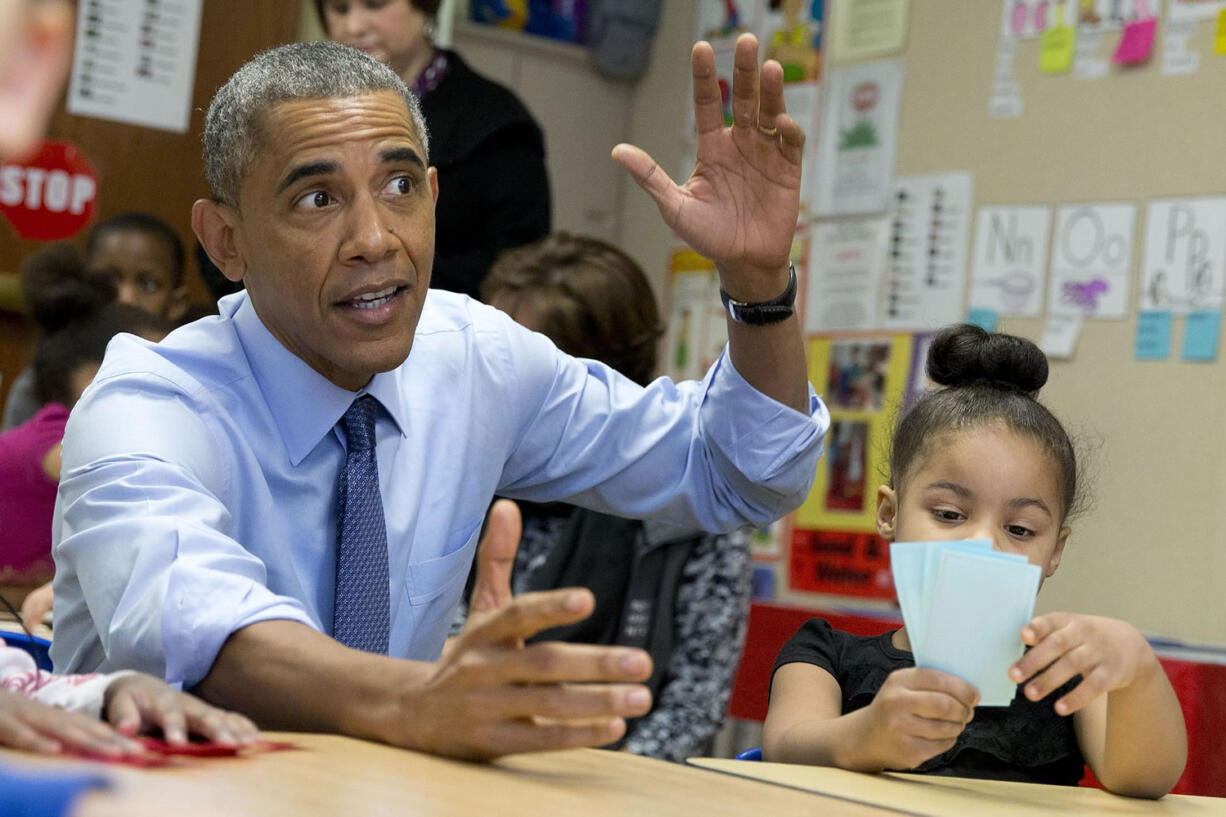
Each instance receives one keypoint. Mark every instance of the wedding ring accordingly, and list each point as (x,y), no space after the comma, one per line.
(771,132)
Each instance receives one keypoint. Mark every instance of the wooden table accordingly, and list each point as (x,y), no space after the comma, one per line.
(333,775)
(936,796)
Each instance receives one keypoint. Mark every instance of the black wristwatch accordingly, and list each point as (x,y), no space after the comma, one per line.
(764,312)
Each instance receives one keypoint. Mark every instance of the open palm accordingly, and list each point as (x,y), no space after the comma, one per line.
(740,204)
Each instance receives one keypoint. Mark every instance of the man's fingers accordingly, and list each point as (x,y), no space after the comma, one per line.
(496,557)
(554,662)
(708,99)
(569,702)
(527,615)
(652,178)
(745,83)
(537,736)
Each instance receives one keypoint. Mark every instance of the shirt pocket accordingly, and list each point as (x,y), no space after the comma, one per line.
(432,578)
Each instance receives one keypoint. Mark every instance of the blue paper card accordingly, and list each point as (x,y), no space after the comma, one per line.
(964,605)
(979,605)
(1153,335)
(1201,333)
(982,317)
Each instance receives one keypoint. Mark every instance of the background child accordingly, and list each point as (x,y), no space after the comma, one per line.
(78,319)
(981,458)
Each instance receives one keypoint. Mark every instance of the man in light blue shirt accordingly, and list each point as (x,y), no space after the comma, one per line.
(196,531)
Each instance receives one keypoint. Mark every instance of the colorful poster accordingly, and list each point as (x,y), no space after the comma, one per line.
(1009,263)
(868,28)
(697,330)
(791,32)
(926,257)
(1091,261)
(717,20)
(857,139)
(1027,19)
(863,379)
(1185,254)
(840,563)
(135,62)
(846,264)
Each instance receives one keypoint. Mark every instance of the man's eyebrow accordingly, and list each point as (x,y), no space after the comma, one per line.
(392,155)
(303,171)
(960,490)
(1031,502)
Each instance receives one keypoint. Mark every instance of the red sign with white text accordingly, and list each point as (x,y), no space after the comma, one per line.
(49,196)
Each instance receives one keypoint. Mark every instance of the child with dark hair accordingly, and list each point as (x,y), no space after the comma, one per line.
(680,594)
(981,458)
(143,257)
(78,320)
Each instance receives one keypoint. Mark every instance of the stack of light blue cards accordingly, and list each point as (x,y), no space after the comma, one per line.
(965,605)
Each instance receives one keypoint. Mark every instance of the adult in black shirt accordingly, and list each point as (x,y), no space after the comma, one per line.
(489,151)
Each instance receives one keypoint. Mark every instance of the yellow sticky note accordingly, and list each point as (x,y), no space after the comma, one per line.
(1219,42)
(1056,49)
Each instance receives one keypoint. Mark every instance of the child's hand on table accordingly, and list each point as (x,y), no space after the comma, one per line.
(36,727)
(138,702)
(1108,654)
(916,715)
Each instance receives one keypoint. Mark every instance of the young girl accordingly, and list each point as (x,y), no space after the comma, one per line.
(982,458)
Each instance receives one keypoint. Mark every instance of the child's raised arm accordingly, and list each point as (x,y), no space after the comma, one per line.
(1129,724)
(916,715)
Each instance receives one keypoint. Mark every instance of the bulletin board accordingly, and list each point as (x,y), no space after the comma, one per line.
(1150,547)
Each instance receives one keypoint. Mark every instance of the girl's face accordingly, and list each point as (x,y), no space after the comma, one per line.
(982,483)
(391,31)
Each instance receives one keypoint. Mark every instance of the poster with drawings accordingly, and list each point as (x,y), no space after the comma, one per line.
(857,137)
(696,331)
(925,275)
(1185,254)
(846,261)
(1091,260)
(790,31)
(716,20)
(1027,19)
(1009,265)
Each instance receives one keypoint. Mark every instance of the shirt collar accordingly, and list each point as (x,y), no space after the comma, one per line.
(305,405)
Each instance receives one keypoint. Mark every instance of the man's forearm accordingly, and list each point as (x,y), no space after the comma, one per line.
(284,675)
(772,359)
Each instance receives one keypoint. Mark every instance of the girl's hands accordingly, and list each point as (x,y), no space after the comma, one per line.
(916,715)
(1108,654)
(138,702)
(31,726)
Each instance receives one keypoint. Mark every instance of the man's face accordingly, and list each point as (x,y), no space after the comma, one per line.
(334,234)
(142,267)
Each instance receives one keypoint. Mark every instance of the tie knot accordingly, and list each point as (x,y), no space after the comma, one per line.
(359,423)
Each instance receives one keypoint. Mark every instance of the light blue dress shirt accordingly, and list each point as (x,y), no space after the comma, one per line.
(198,493)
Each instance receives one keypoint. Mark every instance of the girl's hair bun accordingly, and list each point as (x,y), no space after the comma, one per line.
(965,354)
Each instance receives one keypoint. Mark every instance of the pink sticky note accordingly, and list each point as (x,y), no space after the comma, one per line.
(1136,42)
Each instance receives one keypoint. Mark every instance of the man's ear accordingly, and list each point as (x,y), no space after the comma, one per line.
(215,225)
(432,175)
(887,512)
(1053,561)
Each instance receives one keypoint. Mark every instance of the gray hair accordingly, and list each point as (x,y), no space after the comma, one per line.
(307,70)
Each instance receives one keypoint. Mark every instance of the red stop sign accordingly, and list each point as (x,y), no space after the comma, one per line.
(50,195)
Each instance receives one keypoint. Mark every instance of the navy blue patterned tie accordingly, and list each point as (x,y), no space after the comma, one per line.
(361,616)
